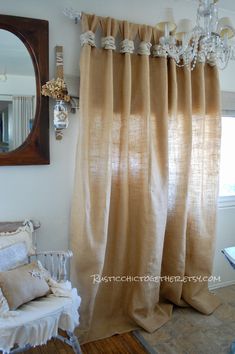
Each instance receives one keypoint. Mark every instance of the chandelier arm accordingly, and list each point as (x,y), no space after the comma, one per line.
(207,41)
(228,55)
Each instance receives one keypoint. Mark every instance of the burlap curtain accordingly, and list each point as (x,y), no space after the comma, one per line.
(146,182)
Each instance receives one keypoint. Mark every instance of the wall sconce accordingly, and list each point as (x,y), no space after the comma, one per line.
(57,89)
(3,76)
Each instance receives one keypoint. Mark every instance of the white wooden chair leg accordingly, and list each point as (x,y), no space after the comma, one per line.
(72,341)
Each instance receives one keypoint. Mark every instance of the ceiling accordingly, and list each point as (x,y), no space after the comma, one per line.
(227,4)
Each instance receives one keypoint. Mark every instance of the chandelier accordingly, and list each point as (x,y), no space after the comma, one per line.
(208,41)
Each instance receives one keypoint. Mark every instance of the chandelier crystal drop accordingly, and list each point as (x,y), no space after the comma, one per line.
(208,41)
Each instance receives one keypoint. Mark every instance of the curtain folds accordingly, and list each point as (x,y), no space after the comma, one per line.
(147,164)
(20,123)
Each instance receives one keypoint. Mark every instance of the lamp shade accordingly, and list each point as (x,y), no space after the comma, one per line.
(184,27)
(168,19)
(225,27)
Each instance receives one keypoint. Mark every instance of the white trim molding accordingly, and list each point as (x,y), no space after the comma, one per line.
(213,286)
(226,202)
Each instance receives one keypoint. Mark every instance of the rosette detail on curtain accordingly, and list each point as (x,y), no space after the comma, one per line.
(146,182)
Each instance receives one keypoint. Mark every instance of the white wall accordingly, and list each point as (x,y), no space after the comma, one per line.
(225,238)
(44,192)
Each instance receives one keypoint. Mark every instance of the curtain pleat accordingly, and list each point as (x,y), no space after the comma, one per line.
(145,184)
(21,119)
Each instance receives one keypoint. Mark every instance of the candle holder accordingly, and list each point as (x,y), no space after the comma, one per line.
(57,89)
(61,118)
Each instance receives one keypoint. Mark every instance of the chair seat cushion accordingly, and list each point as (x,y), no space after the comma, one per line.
(39,320)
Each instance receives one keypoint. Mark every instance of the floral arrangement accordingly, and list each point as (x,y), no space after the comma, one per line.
(57,89)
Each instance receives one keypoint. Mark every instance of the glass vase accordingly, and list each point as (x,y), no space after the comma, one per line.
(61,120)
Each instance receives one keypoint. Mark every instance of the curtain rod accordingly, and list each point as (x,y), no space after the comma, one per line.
(72,14)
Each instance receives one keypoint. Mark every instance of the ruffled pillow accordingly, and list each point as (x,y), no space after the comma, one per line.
(22,234)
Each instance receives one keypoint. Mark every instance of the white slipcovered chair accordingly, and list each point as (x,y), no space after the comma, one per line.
(36,299)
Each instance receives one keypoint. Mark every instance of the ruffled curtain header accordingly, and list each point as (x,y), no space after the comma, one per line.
(128,33)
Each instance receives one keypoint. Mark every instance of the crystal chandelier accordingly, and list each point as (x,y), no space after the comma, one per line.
(208,41)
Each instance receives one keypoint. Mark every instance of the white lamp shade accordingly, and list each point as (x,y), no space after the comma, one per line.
(225,27)
(168,19)
(184,27)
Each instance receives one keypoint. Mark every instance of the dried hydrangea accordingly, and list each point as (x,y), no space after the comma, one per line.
(56,89)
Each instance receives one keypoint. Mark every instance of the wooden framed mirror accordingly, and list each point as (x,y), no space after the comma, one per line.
(24,112)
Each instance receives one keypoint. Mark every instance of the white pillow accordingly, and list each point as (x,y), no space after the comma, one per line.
(13,256)
(22,234)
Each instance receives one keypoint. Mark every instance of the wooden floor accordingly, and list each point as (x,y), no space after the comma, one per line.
(118,344)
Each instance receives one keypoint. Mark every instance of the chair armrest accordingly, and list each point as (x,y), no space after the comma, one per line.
(56,262)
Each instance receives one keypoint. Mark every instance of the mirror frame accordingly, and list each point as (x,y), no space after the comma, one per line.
(34,34)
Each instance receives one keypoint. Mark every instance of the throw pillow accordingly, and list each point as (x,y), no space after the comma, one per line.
(22,234)
(13,256)
(23,284)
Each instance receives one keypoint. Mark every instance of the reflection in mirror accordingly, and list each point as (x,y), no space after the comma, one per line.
(17,92)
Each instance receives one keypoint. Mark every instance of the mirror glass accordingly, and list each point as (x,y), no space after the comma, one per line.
(17,92)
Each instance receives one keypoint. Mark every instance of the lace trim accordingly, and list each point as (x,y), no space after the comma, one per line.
(211,59)
(43,272)
(88,38)
(144,48)
(158,51)
(27,225)
(127,46)
(108,42)
(201,57)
